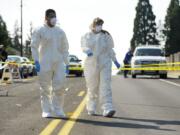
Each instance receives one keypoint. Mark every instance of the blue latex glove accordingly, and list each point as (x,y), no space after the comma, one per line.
(89,53)
(67,69)
(117,64)
(37,66)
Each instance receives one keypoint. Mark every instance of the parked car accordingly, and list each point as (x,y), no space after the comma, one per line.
(148,56)
(75,66)
(1,69)
(31,67)
(23,67)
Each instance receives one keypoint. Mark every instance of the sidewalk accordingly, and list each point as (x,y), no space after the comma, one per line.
(174,74)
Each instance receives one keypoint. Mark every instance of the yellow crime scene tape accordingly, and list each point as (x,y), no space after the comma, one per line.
(175,66)
(159,64)
(162,66)
(15,63)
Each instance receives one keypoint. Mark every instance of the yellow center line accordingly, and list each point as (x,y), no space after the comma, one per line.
(54,123)
(69,114)
(81,93)
(66,129)
(50,127)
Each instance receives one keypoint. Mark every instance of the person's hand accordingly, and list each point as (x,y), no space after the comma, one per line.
(67,69)
(37,66)
(89,53)
(117,64)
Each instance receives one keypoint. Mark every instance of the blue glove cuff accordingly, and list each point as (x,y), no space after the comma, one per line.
(67,69)
(89,53)
(37,66)
(117,64)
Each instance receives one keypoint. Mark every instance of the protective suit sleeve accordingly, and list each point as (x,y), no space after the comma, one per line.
(65,48)
(35,41)
(84,44)
(113,55)
(111,44)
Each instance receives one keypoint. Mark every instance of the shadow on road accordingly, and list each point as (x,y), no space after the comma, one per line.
(149,105)
(150,78)
(126,124)
(74,76)
(159,122)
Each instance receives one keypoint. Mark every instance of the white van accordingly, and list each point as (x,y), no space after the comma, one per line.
(148,56)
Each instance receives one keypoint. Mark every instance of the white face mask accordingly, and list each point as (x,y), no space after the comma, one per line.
(53,21)
(98,28)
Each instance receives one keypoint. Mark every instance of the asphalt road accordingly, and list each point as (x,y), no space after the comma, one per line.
(145,106)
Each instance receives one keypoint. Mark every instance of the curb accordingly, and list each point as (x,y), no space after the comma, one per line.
(174,76)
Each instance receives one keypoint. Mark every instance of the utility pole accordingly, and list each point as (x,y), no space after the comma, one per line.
(21,28)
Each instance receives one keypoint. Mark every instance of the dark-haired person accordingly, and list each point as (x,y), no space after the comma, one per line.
(98,46)
(3,57)
(50,52)
(127,61)
(3,53)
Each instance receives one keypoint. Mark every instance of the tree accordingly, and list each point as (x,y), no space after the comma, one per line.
(160,34)
(28,42)
(172,28)
(4,34)
(144,25)
(174,39)
(16,37)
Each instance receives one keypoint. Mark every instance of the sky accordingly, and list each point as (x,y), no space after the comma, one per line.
(75,17)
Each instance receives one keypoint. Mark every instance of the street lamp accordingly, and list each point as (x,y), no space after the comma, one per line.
(21,28)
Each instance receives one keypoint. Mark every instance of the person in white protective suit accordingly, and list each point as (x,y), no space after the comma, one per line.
(98,45)
(50,52)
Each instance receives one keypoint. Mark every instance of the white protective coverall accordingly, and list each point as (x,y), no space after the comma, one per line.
(97,69)
(50,47)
